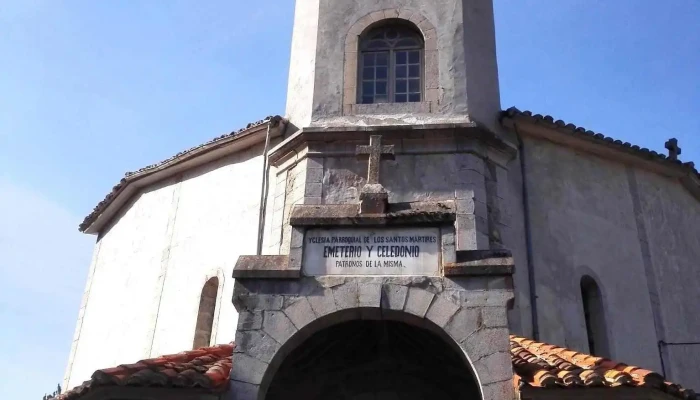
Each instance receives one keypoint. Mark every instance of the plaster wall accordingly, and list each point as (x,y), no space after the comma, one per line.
(151,265)
(118,306)
(303,62)
(583,223)
(670,220)
(465,65)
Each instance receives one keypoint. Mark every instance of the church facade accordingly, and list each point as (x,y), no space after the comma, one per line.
(397,234)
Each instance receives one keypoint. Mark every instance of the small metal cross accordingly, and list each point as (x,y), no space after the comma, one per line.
(375,152)
(673,150)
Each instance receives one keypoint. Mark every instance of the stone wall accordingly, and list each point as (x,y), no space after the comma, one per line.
(276,316)
(637,234)
(150,265)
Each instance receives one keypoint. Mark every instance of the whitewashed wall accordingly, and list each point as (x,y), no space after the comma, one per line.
(142,295)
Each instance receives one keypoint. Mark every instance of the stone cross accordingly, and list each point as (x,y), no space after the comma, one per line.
(375,152)
(673,150)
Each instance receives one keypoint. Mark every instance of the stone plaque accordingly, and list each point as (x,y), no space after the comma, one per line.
(376,251)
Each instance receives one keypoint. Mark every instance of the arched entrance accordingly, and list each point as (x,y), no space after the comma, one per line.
(374,360)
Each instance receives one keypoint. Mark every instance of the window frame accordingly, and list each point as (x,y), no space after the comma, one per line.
(391,65)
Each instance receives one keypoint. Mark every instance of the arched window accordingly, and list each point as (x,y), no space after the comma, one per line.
(595,317)
(391,65)
(205,317)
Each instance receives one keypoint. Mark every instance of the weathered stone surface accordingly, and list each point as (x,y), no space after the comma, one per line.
(496,367)
(500,390)
(486,298)
(278,325)
(259,302)
(300,312)
(393,296)
(241,391)
(486,341)
(494,317)
(248,320)
(256,344)
(370,294)
(441,311)
(267,266)
(418,301)
(247,369)
(414,213)
(346,296)
(322,302)
(465,322)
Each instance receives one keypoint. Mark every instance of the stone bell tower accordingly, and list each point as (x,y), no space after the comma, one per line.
(457,68)
(384,272)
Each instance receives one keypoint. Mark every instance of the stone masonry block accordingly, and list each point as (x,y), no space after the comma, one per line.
(256,344)
(485,342)
(295,258)
(499,390)
(278,325)
(314,175)
(296,239)
(487,298)
(322,303)
(418,301)
(469,161)
(370,295)
(314,163)
(313,190)
(300,312)
(394,296)
(241,391)
(496,367)
(471,191)
(249,320)
(494,317)
(464,323)
(247,369)
(441,311)
(346,295)
(260,302)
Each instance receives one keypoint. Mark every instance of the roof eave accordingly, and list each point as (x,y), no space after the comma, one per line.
(133,183)
(574,137)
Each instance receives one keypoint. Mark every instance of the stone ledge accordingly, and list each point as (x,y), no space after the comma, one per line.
(417,213)
(264,267)
(481,263)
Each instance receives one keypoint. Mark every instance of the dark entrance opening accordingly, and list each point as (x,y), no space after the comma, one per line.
(374,360)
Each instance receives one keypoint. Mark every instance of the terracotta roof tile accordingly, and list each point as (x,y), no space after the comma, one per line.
(572,129)
(543,365)
(207,368)
(535,364)
(274,120)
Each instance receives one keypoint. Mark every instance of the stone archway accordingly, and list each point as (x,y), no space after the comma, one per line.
(279,316)
(377,360)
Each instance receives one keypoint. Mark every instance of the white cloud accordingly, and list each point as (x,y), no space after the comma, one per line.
(43,267)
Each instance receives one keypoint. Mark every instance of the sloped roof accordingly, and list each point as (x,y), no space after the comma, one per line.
(571,129)
(535,364)
(206,368)
(183,155)
(542,365)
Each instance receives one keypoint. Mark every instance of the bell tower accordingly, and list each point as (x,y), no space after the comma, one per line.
(393,62)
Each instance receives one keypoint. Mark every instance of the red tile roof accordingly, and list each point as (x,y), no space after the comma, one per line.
(206,368)
(535,364)
(542,365)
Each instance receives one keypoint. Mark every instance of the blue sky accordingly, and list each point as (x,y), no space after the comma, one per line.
(92,89)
